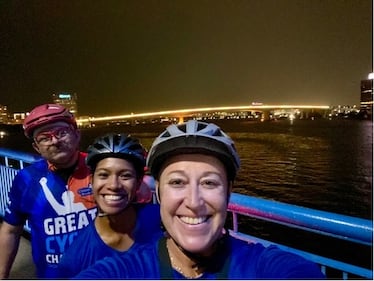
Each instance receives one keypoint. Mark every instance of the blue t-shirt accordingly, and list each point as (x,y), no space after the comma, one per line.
(89,247)
(237,260)
(56,211)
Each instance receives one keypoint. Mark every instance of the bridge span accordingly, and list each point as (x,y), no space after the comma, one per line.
(180,114)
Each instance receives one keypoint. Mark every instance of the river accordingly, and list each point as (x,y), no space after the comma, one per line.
(322,164)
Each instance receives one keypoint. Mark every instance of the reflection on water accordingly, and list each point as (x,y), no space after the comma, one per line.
(281,166)
(326,165)
(320,164)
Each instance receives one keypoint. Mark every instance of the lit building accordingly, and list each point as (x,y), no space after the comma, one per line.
(3,114)
(67,100)
(18,117)
(366,101)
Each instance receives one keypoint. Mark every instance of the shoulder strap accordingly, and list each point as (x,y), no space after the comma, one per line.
(166,271)
(224,255)
(224,273)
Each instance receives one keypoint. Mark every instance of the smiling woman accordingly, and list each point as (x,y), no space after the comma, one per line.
(194,165)
(117,164)
(194,190)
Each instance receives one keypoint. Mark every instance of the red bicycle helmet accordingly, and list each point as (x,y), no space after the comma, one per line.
(44,114)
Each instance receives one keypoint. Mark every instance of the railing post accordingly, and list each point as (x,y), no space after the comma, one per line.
(235,226)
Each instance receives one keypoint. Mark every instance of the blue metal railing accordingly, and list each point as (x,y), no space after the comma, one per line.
(11,162)
(347,228)
(326,223)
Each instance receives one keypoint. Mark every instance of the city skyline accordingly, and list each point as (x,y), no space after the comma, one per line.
(144,56)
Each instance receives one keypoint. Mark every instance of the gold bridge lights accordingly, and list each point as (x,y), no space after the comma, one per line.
(180,114)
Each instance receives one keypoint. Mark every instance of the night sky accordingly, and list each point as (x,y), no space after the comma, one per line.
(142,55)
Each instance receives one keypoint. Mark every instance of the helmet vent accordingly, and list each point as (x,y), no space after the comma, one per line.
(165,134)
(217,133)
(200,126)
(183,128)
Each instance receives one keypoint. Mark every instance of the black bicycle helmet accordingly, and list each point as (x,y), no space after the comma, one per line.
(118,146)
(193,137)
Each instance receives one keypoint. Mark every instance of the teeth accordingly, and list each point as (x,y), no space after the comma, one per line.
(190,220)
(113,197)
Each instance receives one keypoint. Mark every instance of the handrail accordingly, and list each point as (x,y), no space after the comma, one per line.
(19,156)
(348,228)
(339,226)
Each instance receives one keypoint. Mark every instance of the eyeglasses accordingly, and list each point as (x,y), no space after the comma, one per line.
(45,138)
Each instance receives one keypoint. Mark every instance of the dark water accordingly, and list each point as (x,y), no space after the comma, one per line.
(321,164)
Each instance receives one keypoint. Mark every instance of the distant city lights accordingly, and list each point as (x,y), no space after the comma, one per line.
(3,134)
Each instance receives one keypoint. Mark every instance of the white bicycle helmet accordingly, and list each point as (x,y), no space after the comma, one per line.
(118,146)
(193,137)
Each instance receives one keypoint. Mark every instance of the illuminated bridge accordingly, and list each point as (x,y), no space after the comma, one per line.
(263,112)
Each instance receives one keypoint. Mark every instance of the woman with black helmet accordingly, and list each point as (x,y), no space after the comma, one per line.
(194,165)
(117,163)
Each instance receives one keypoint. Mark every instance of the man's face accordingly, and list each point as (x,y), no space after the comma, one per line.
(58,143)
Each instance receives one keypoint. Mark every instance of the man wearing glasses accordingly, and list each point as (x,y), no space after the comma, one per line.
(53,194)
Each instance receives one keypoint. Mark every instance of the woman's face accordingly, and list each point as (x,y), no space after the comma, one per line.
(193,190)
(114,184)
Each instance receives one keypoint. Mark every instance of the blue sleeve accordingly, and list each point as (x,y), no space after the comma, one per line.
(140,264)
(69,264)
(255,261)
(106,268)
(14,213)
(277,264)
(84,251)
